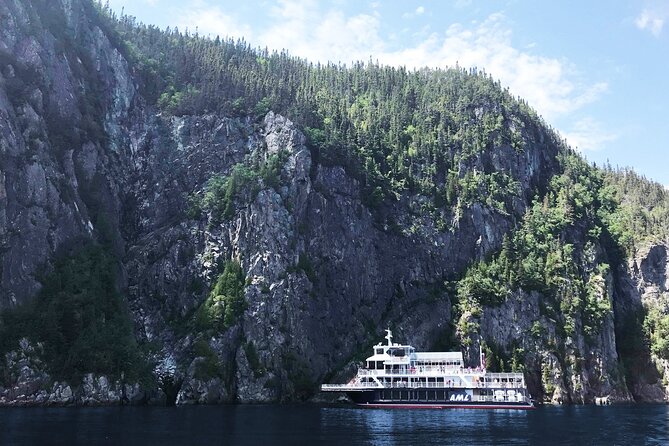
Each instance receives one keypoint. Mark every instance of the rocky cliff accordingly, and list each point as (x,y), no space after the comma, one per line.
(86,156)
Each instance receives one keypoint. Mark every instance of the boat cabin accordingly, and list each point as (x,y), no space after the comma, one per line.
(392,358)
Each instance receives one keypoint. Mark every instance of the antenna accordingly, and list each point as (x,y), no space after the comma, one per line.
(481,357)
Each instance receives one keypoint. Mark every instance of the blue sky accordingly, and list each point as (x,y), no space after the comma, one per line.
(597,70)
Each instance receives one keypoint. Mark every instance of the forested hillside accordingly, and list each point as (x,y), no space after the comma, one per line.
(261,219)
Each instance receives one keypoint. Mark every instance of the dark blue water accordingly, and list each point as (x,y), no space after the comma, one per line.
(315,425)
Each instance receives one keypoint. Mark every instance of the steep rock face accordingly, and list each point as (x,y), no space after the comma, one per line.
(83,156)
(650,271)
(323,274)
(303,325)
(555,369)
(642,286)
(567,356)
(164,262)
(58,176)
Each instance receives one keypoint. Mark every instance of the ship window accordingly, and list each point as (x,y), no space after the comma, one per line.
(379,351)
(398,352)
(379,364)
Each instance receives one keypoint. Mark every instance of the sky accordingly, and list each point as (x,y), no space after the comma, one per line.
(596,70)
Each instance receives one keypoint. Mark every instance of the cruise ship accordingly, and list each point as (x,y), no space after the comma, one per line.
(397,376)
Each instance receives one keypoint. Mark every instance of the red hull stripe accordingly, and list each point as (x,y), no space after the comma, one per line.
(446,406)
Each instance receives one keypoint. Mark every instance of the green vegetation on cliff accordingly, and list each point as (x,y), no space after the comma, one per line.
(394,129)
(588,223)
(643,219)
(242,183)
(80,319)
(226,302)
(547,253)
(555,253)
(657,329)
(643,214)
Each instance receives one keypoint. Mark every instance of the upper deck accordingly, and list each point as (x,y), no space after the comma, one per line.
(395,358)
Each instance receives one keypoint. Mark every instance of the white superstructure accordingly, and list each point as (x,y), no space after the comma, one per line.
(398,366)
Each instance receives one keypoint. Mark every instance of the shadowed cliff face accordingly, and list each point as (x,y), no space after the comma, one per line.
(82,156)
(62,105)
(642,289)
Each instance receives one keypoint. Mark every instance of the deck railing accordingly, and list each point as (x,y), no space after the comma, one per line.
(421,385)
(427,370)
(462,373)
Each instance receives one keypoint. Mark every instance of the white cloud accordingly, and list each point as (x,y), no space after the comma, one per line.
(308,32)
(652,21)
(460,4)
(118,4)
(212,21)
(588,134)
(415,13)
(550,85)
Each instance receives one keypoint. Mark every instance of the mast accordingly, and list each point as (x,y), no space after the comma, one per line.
(481,357)
(389,337)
